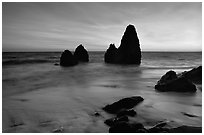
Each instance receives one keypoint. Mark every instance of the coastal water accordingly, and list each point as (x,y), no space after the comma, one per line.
(38,96)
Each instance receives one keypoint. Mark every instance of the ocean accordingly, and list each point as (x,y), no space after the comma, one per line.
(39,96)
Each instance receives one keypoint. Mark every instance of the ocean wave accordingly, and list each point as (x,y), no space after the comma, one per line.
(25,61)
(169,67)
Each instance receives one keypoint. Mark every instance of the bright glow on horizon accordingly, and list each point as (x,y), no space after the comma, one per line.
(58,26)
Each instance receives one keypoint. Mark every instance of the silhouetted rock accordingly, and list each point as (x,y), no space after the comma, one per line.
(137,126)
(97,114)
(170,82)
(126,112)
(142,130)
(114,121)
(168,77)
(129,51)
(67,59)
(195,75)
(158,130)
(110,54)
(122,127)
(125,103)
(180,129)
(125,127)
(186,129)
(81,54)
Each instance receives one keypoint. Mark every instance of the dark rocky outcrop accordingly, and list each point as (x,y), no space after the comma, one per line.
(170,82)
(97,114)
(110,54)
(114,121)
(81,54)
(67,59)
(126,127)
(125,103)
(168,77)
(129,50)
(122,124)
(195,75)
(186,129)
(127,112)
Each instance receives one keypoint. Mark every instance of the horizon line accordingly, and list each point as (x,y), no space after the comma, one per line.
(90,51)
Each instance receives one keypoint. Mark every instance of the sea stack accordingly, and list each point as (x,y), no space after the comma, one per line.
(81,54)
(129,51)
(110,55)
(67,59)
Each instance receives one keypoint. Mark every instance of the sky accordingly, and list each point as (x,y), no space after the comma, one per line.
(58,26)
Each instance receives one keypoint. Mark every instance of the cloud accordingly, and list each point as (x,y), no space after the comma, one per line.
(58,26)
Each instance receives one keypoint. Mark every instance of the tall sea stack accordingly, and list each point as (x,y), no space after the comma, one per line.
(129,51)
(81,54)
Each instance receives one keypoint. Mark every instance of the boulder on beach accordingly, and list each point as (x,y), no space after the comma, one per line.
(195,75)
(125,103)
(126,127)
(130,112)
(170,82)
(129,51)
(81,54)
(67,59)
(168,77)
(180,129)
(186,129)
(114,121)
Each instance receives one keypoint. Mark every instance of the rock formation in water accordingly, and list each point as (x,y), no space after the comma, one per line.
(195,75)
(170,82)
(129,50)
(110,55)
(81,54)
(67,59)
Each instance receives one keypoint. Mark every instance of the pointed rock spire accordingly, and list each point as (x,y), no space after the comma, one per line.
(129,51)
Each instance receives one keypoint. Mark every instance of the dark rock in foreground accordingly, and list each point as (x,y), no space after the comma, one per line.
(67,59)
(126,112)
(125,127)
(170,82)
(114,121)
(168,77)
(129,51)
(81,54)
(125,103)
(195,75)
(180,129)
(186,129)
